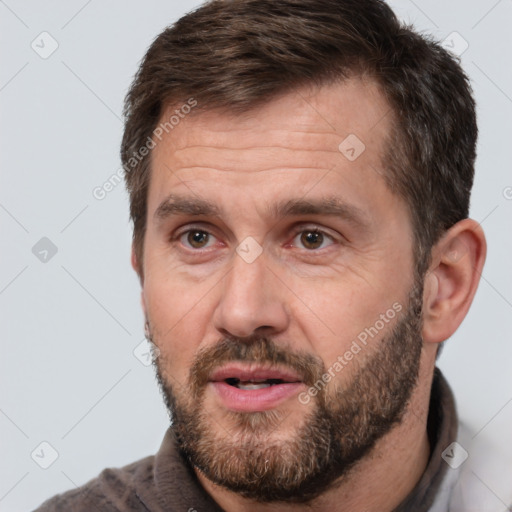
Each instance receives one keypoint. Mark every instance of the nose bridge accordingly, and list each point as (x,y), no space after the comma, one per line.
(245,277)
(250,298)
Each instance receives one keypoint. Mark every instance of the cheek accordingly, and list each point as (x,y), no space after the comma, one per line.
(178,315)
(333,314)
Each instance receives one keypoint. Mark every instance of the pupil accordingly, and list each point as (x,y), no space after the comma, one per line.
(312,239)
(197,238)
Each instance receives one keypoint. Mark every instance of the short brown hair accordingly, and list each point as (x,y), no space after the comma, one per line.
(235,55)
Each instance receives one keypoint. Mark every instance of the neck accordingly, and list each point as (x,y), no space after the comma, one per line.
(379,482)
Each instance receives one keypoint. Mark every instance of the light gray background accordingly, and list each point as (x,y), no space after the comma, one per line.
(70,325)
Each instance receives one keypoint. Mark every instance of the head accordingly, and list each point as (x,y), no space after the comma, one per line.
(296,171)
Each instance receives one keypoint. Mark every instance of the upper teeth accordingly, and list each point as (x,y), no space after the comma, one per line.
(252,385)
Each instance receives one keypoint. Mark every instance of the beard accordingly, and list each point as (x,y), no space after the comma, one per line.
(340,428)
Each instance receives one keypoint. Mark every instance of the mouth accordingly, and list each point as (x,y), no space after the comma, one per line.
(245,388)
(255,377)
(253,384)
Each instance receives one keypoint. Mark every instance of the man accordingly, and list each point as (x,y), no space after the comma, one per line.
(299,176)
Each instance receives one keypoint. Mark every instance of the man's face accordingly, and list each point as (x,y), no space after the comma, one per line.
(278,287)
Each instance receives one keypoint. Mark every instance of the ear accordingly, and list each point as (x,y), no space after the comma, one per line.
(136,264)
(453,277)
(133,260)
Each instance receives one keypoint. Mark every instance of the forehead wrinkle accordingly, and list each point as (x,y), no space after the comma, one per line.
(248,137)
(253,158)
(254,171)
(255,147)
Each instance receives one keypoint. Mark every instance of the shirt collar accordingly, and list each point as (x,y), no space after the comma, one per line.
(442,426)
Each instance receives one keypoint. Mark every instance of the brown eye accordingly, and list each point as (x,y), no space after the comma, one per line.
(197,239)
(312,239)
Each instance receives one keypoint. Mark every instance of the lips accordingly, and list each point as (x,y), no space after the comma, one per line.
(244,388)
(237,373)
(253,384)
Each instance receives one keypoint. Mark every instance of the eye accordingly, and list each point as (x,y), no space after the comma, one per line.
(313,239)
(196,239)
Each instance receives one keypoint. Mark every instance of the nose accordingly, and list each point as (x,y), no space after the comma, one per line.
(251,300)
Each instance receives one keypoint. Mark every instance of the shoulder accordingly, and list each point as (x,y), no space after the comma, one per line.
(113,490)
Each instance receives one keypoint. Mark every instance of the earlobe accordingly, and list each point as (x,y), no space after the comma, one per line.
(452,280)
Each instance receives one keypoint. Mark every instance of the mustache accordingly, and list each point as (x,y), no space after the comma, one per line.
(254,349)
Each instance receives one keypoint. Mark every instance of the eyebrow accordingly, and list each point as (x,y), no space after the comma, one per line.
(175,205)
(328,206)
(194,206)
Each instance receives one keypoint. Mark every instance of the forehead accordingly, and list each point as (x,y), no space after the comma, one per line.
(307,118)
(329,138)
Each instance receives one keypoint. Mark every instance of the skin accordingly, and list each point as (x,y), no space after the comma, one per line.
(312,300)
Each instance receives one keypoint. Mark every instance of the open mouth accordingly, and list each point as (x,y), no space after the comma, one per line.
(253,384)
(256,377)
(249,387)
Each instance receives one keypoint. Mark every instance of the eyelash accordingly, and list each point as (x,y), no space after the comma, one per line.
(296,232)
